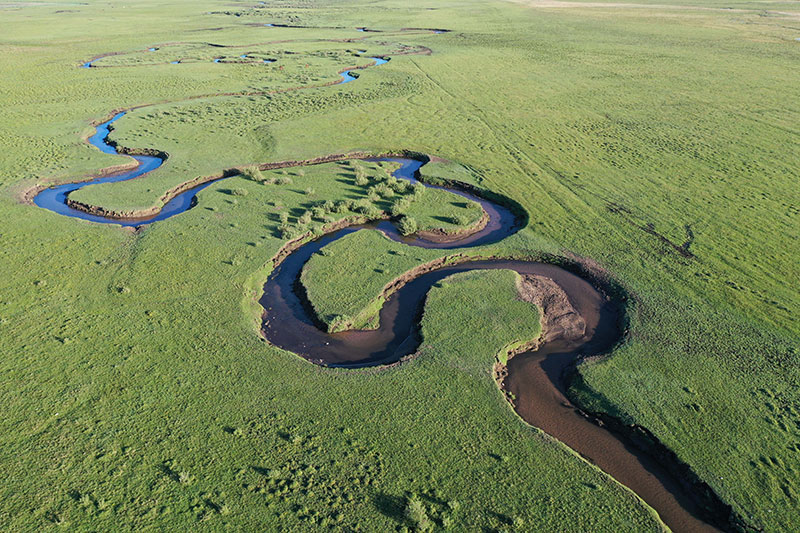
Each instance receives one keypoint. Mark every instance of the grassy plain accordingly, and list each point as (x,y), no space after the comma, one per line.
(344,283)
(137,393)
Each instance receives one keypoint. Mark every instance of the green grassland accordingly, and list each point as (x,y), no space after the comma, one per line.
(438,209)
(136,391)
(462,303)
(341,55)
(216,435)
(344,282)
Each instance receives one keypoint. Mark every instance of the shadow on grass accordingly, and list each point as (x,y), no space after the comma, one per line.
(390,506)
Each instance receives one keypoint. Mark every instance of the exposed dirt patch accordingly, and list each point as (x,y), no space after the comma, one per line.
(559,318)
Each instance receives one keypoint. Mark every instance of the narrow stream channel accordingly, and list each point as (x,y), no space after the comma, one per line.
(535,377)
(55,198)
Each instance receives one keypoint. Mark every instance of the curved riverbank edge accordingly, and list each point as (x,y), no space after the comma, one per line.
(714,509)
(27,194)
(441,235)
(719,513)
(645,438)
(368,317)
(414,49)
(143,215)
(520,213)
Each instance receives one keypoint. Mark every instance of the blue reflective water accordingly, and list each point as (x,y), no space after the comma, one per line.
(88,64)
(270,60)
(151,49)
(55,198)
(347,75)
(175,62)
(243,56)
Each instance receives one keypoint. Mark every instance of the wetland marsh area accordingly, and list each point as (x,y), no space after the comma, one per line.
(473,265)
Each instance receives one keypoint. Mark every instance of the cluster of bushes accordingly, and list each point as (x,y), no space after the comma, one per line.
(321,212)
(254,173)
(379,187)
(384,186)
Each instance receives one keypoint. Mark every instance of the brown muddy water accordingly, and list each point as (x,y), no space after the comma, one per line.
(536,381)
(535,378)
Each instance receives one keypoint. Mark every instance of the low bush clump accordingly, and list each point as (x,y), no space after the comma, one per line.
(407,225)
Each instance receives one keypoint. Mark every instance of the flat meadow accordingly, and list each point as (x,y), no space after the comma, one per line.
(658,141)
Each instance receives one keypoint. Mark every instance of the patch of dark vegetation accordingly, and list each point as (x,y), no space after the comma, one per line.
(650,228)
(682,249)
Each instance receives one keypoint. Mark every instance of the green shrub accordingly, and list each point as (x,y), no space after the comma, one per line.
(361,180)
(372,212)
(399,186)
(460,220)
(400,206)
(288,231)
(339,322)
(253,173)
(416,515)
(342,206)
(384,190)
(407,225)
(360,206)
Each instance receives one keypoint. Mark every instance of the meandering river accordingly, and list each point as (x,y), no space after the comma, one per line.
(535,378)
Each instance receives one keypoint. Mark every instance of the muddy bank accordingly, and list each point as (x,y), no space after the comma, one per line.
(577,323)
(591,326)
(559,319)
(579,319)
(583,315)
(388,290)
(498,221)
